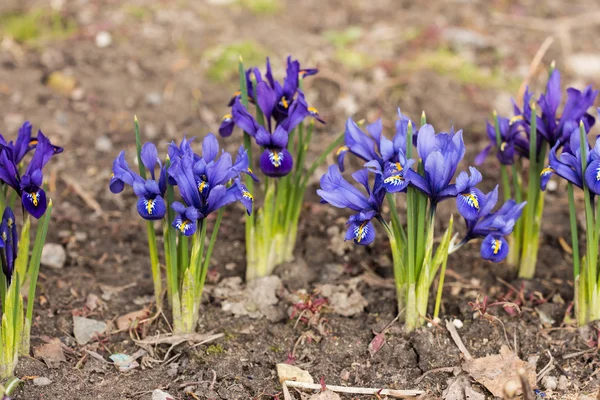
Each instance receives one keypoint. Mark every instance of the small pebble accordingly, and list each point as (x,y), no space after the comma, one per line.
(103,144)
(552,185)
(154,99)
(563,383)
(103,39)
(53,255)
(550,382)
(41,381)
(457,323)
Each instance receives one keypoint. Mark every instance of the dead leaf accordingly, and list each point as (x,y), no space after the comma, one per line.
(377,343)
(195,338)
(460,389)
(326,395)
(51,353)
(124,321)
(287,372)
(495,370)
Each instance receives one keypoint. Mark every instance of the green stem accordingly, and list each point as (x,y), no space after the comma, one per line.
(574,235)
(209,250)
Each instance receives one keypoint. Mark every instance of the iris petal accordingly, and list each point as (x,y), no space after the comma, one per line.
(276,162)
(184,225)
(34,201)
(362,232)
(592,176)
(494,249)
(151,209)
(469,203)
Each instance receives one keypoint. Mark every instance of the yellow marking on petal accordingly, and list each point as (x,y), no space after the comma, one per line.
(10,222)
(247,195)
(275,159)
(398,167)
(312,110)
(515,119)
(34,198)
(150,206)
(227,117)
(183,226)
(4,236)
(394,179)
(201,186)
(33,142)
(472,200)
(284,102)
(360,231)
(503,146)
(598,174)
(236,94)
(341,149)
(547,170)
(250,170)
(112,175)
(496,246)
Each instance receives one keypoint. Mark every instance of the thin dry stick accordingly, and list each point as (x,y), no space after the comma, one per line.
(456,337)
(525,387)
(537,59)
(85,196)
(549,367)
(397,394)
(286,393)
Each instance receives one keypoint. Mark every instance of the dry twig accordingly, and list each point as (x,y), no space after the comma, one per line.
(457,340)
(396,394)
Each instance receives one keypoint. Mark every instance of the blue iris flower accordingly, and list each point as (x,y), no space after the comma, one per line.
(569,164)
(24,144)
(9,241)
(440,153)
(491,226)
(29,184)
(340,193)
(151,204)
(276,100)
(203,185)
(511,141)
(374,146)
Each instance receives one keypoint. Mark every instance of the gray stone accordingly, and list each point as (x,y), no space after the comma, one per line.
(550,382)
(85,329)
(53,255)
(41,381)
(154,99)
(103,144)
(160,395)
(585,64)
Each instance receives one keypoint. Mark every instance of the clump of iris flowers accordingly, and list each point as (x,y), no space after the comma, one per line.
(579,164)
(424,181)
(206,183)
(280,122)
(21,180)
(536,128)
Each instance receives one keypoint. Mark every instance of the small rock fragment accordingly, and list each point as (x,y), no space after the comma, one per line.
(326,395)
(41,381)
(103,39)
(457,323)
(154,99)
(563,383)
(158,394)
(85,329)
(287,372)
(53,255)
(124,321)
(103,144)
(550,382)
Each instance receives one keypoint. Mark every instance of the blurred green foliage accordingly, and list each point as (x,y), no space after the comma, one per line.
(262,7)
(223,59)
(36,25)
(344,53)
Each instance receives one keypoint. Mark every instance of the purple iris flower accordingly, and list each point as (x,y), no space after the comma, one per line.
(340,193)
(511,141)
(275,160)
(203,185)
(441,155)
(468,198)
(29,184)
(9,241)
(274,99)
(151,204)
(23,145)
(553,126)
(374,146)
(568,166)
(592,172)
(491,226)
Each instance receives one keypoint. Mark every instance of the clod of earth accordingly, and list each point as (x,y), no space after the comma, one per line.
(460,389)
(346,300)
(160,395)
(259,299)
(85,329)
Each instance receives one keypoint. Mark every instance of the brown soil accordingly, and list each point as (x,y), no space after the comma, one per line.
(162,49)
